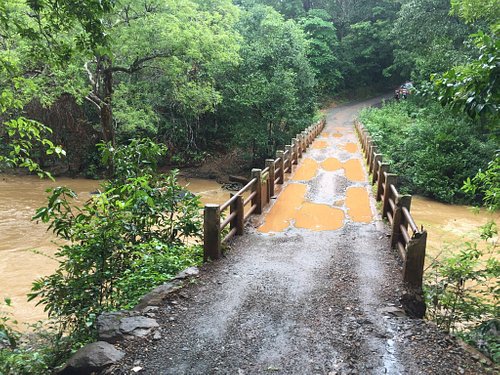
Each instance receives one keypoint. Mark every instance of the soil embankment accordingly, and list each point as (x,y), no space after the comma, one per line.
(311,288)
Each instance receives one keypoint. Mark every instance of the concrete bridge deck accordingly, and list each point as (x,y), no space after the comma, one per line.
(312,288)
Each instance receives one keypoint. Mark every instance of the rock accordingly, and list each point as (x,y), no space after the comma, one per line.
(158,295)
(108,326)
(118,326)
(188,272)
(92,358)
(137,326)
(392,310)
(414,304)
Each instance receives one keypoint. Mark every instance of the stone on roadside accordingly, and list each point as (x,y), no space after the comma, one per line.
(92,358)
(137,326)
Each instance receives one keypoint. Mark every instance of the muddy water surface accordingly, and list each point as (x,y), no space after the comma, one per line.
(26,248)
(448,226)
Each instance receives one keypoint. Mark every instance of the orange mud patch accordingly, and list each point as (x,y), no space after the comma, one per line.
(354,170)
(358,205)
(281,213)
(351,147)
(319,145)
(306,171)
(325,135)
(338,135)
(331,164)
(319,217)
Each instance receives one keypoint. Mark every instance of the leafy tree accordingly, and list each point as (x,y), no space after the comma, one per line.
(487,184)
(474,86)
(20,135)
(270,95)
(117,47)
(137,225)
(323,49)
(427,39)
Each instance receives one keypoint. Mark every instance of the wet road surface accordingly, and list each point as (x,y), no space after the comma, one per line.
(311,288)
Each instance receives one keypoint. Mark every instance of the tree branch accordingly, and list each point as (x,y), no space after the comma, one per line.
(138,63)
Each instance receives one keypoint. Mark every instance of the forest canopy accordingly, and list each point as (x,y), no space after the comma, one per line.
(206,77)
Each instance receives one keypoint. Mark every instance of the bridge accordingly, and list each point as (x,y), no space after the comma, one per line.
(306,273)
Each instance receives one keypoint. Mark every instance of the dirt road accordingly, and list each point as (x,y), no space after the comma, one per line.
(312,288)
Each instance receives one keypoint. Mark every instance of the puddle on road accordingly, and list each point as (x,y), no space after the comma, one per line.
(282,212)
(354,170)
(306,171)
(351,147)
(358,205)
(291,207)
(319,145)
(331,165)
(319,217)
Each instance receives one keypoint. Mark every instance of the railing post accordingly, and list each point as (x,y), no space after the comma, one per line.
(211,232)
(257,200)
(295,148)
(384,168)
(413,269)
(239,221)
(271,165)
(398,219)
(375,169)
(299,146)
(303,137)
(290,151)
(371,163)
(390,179)
(281,166)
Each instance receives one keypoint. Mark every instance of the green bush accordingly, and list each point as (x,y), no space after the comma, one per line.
(463,290)
(432,149)
(137,233)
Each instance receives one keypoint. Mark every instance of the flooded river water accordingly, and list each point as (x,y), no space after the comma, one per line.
(26,248)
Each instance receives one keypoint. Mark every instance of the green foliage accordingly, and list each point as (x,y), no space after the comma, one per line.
(270,95)
(486,184)
(127,239)
(19,135)
(432,149)
(427,39)
(322,49)
(46,348)
(474,87)
(472,10)
(463,290)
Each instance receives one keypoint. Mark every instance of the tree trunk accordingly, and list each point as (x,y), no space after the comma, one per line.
(108,130)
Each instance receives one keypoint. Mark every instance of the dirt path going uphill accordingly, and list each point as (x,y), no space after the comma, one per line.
(312,289)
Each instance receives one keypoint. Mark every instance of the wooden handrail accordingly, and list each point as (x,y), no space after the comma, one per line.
(396,208)
(410,220)
(262,187)
(228,219)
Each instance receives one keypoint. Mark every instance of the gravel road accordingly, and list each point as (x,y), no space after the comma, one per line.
(301,300)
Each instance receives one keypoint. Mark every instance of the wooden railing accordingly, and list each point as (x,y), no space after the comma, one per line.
(406,237)
(260,189)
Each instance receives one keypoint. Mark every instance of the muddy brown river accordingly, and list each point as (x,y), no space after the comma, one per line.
(26,248)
